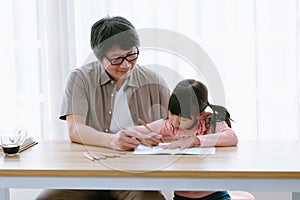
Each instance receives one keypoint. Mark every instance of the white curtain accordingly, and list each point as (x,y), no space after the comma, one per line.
(253,44)
(38,50)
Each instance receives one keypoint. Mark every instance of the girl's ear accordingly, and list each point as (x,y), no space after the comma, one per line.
(201,115)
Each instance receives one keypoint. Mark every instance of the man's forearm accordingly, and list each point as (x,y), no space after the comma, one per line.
(83,134)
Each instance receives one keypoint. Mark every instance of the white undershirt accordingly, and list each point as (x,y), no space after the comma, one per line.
(121,116)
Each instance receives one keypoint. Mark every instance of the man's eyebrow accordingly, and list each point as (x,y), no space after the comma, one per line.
(118,55)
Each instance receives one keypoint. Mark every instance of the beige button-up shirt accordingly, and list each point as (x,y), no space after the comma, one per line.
(90,93)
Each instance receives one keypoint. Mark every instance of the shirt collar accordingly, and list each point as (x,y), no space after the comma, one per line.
(104,77)
(132,79)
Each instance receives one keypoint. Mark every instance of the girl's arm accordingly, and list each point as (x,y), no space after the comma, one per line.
(224,136)
(154,126)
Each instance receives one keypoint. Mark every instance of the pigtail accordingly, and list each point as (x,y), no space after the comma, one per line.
(219,114)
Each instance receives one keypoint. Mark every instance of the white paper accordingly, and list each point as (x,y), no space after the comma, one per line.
(142,149)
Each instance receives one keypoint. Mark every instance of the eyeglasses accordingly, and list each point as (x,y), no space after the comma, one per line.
(119,60)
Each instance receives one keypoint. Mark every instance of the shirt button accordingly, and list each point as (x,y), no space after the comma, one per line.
(109,112)
(112,82)
(112,94)
(106,130)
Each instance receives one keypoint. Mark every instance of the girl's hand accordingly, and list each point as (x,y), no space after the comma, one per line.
(183,143)
(182,135)
(166,136)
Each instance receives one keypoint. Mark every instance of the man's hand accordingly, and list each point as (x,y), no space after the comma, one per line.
(148,139)
(124,141)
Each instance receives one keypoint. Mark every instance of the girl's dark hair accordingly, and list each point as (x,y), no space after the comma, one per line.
(190,98)
(111,31)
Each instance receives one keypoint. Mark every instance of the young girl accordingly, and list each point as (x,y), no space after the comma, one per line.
(189,125)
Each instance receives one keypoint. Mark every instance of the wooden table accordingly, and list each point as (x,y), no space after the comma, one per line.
(252,166)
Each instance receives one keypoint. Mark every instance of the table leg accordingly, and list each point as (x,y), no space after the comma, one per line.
(4,194)
(295,195)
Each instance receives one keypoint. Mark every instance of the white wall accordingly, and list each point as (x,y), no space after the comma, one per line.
(28,194)
(272,195)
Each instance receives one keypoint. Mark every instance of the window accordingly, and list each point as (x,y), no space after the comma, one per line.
(253,45)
